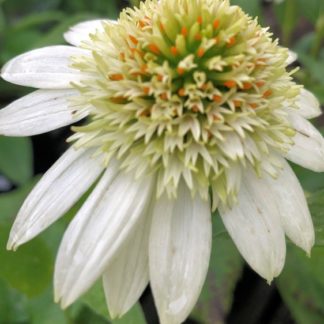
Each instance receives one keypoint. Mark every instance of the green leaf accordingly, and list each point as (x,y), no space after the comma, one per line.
(30,268)
(287,14)
(316,205)
(224,270)
(134,316)
(55,35)
(95,299)
(302,287)
(12,305)
(43,310)
(311,9)
(252,7)
(16,160)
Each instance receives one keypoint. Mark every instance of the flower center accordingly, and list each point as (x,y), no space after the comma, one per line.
(191,90)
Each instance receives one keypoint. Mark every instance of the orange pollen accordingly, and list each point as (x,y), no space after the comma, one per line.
(118,100)
(184,31)
(162,26)
(247,85)
(217,98)
(230,84)
(253,105)
(198,37)
(164,96)
(195,109)
(200,52)
(182,92)
(267,93)
(237,103)
(216,118)
(146,90)
(145,113)
(154,49)
(204,86)
(122,56)
(142,23)
(231,41)
(174,51)
(144,68)
(260,83)
(116,77)
(199,20)
(216,24)
(160,77)
(181,70)
(133,39)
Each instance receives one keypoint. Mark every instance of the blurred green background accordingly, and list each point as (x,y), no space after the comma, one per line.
(232,293)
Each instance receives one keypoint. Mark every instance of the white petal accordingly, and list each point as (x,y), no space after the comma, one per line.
(255,227)
(294,212)
(97,232)
(126,278)
(80,32)
(44,68)
(308,150)
(57,191)
(38,112)
(309,106)
(179,252)
(292,57)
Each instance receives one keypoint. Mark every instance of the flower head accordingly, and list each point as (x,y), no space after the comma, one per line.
(189,107)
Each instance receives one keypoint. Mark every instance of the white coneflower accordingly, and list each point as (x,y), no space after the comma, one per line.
(188,108)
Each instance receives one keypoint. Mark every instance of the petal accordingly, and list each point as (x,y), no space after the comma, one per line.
(80,32)
(308,148)
(126,278)
(179,252)
(292,57)
(57,191)
(294,213)
(38,112)
(255,227)
(309,106)
(44,68)
(98,231)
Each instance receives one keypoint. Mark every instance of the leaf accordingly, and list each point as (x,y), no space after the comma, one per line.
(95,299)
(16,160)
(311,9)
(43,310)
(225,269)
(252,7)
(30,268)
(134,316)
(12,305)
(316,206)
(55,35)
(300,287)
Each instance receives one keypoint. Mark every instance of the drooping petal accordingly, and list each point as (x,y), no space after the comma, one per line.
(80,32)
(179,252)
(44,68)
(56,192)
(292,57)
(309,106)
(308,150)
(126,278)
(255,227)
(38,112)
(292,205)
(98,231)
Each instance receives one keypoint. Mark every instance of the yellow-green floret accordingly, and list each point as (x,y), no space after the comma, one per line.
(187,89)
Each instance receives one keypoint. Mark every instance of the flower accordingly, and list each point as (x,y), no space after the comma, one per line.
(188,107)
